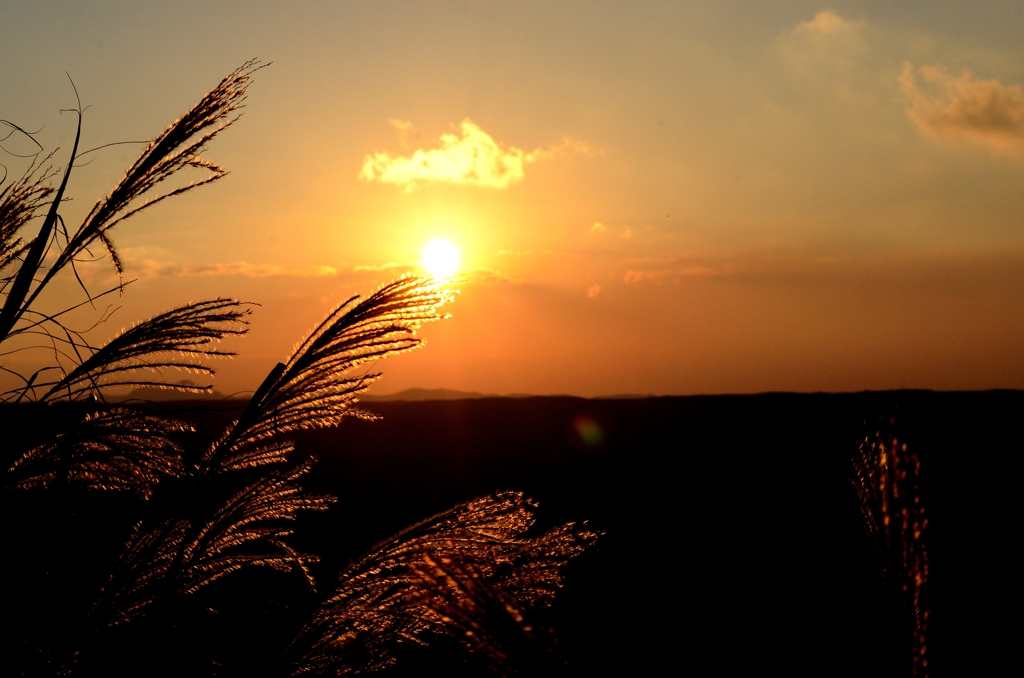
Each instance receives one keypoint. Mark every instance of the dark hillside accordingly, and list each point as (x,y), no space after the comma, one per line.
(732,539)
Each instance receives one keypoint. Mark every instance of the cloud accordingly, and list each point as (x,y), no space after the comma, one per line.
(487,276)
(473,159)
(567,147)
(465,274)
(390,266)
(673,273)
(962,106)
(593,291)
(524,253)
(598,227)
(152,268)
(638,276)
(828,23)
(826,46)
(403,126)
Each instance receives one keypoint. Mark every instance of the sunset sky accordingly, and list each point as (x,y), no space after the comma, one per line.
(647,197)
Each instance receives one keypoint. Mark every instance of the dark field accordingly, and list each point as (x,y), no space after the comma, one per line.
(732,541)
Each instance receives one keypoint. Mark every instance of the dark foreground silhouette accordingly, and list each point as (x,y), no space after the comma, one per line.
(131,539)
(732,540)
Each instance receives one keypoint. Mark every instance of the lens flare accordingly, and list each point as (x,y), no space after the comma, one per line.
(589,430)
(440,258)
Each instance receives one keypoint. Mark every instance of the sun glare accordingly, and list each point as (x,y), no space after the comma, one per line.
(441,258)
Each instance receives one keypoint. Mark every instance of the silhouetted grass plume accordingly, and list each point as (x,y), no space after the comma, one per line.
(198,510)
(444,576)
(886,478)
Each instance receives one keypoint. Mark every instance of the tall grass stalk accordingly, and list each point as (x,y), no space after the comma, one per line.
(205,510)
(886,477)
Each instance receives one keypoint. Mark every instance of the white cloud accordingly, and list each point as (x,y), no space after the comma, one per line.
(472,159)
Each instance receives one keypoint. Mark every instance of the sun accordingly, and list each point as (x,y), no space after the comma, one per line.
(441,258)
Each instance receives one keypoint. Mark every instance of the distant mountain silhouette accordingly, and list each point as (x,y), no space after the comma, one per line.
(422,394)
(625,396)
(159,395)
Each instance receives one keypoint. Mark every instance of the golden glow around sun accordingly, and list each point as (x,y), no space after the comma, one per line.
(441,258)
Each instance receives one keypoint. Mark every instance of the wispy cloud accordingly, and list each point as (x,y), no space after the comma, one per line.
(660,270)
(148,268)
(390,266)
(404,129)
(466,274)
(825,45)
(598,227)
(487,276)
(828,23)
(472,159)
(669,274)
(963,106)
(525,253)
(152,268)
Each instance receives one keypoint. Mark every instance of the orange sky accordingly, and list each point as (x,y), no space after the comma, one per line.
(648,198)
